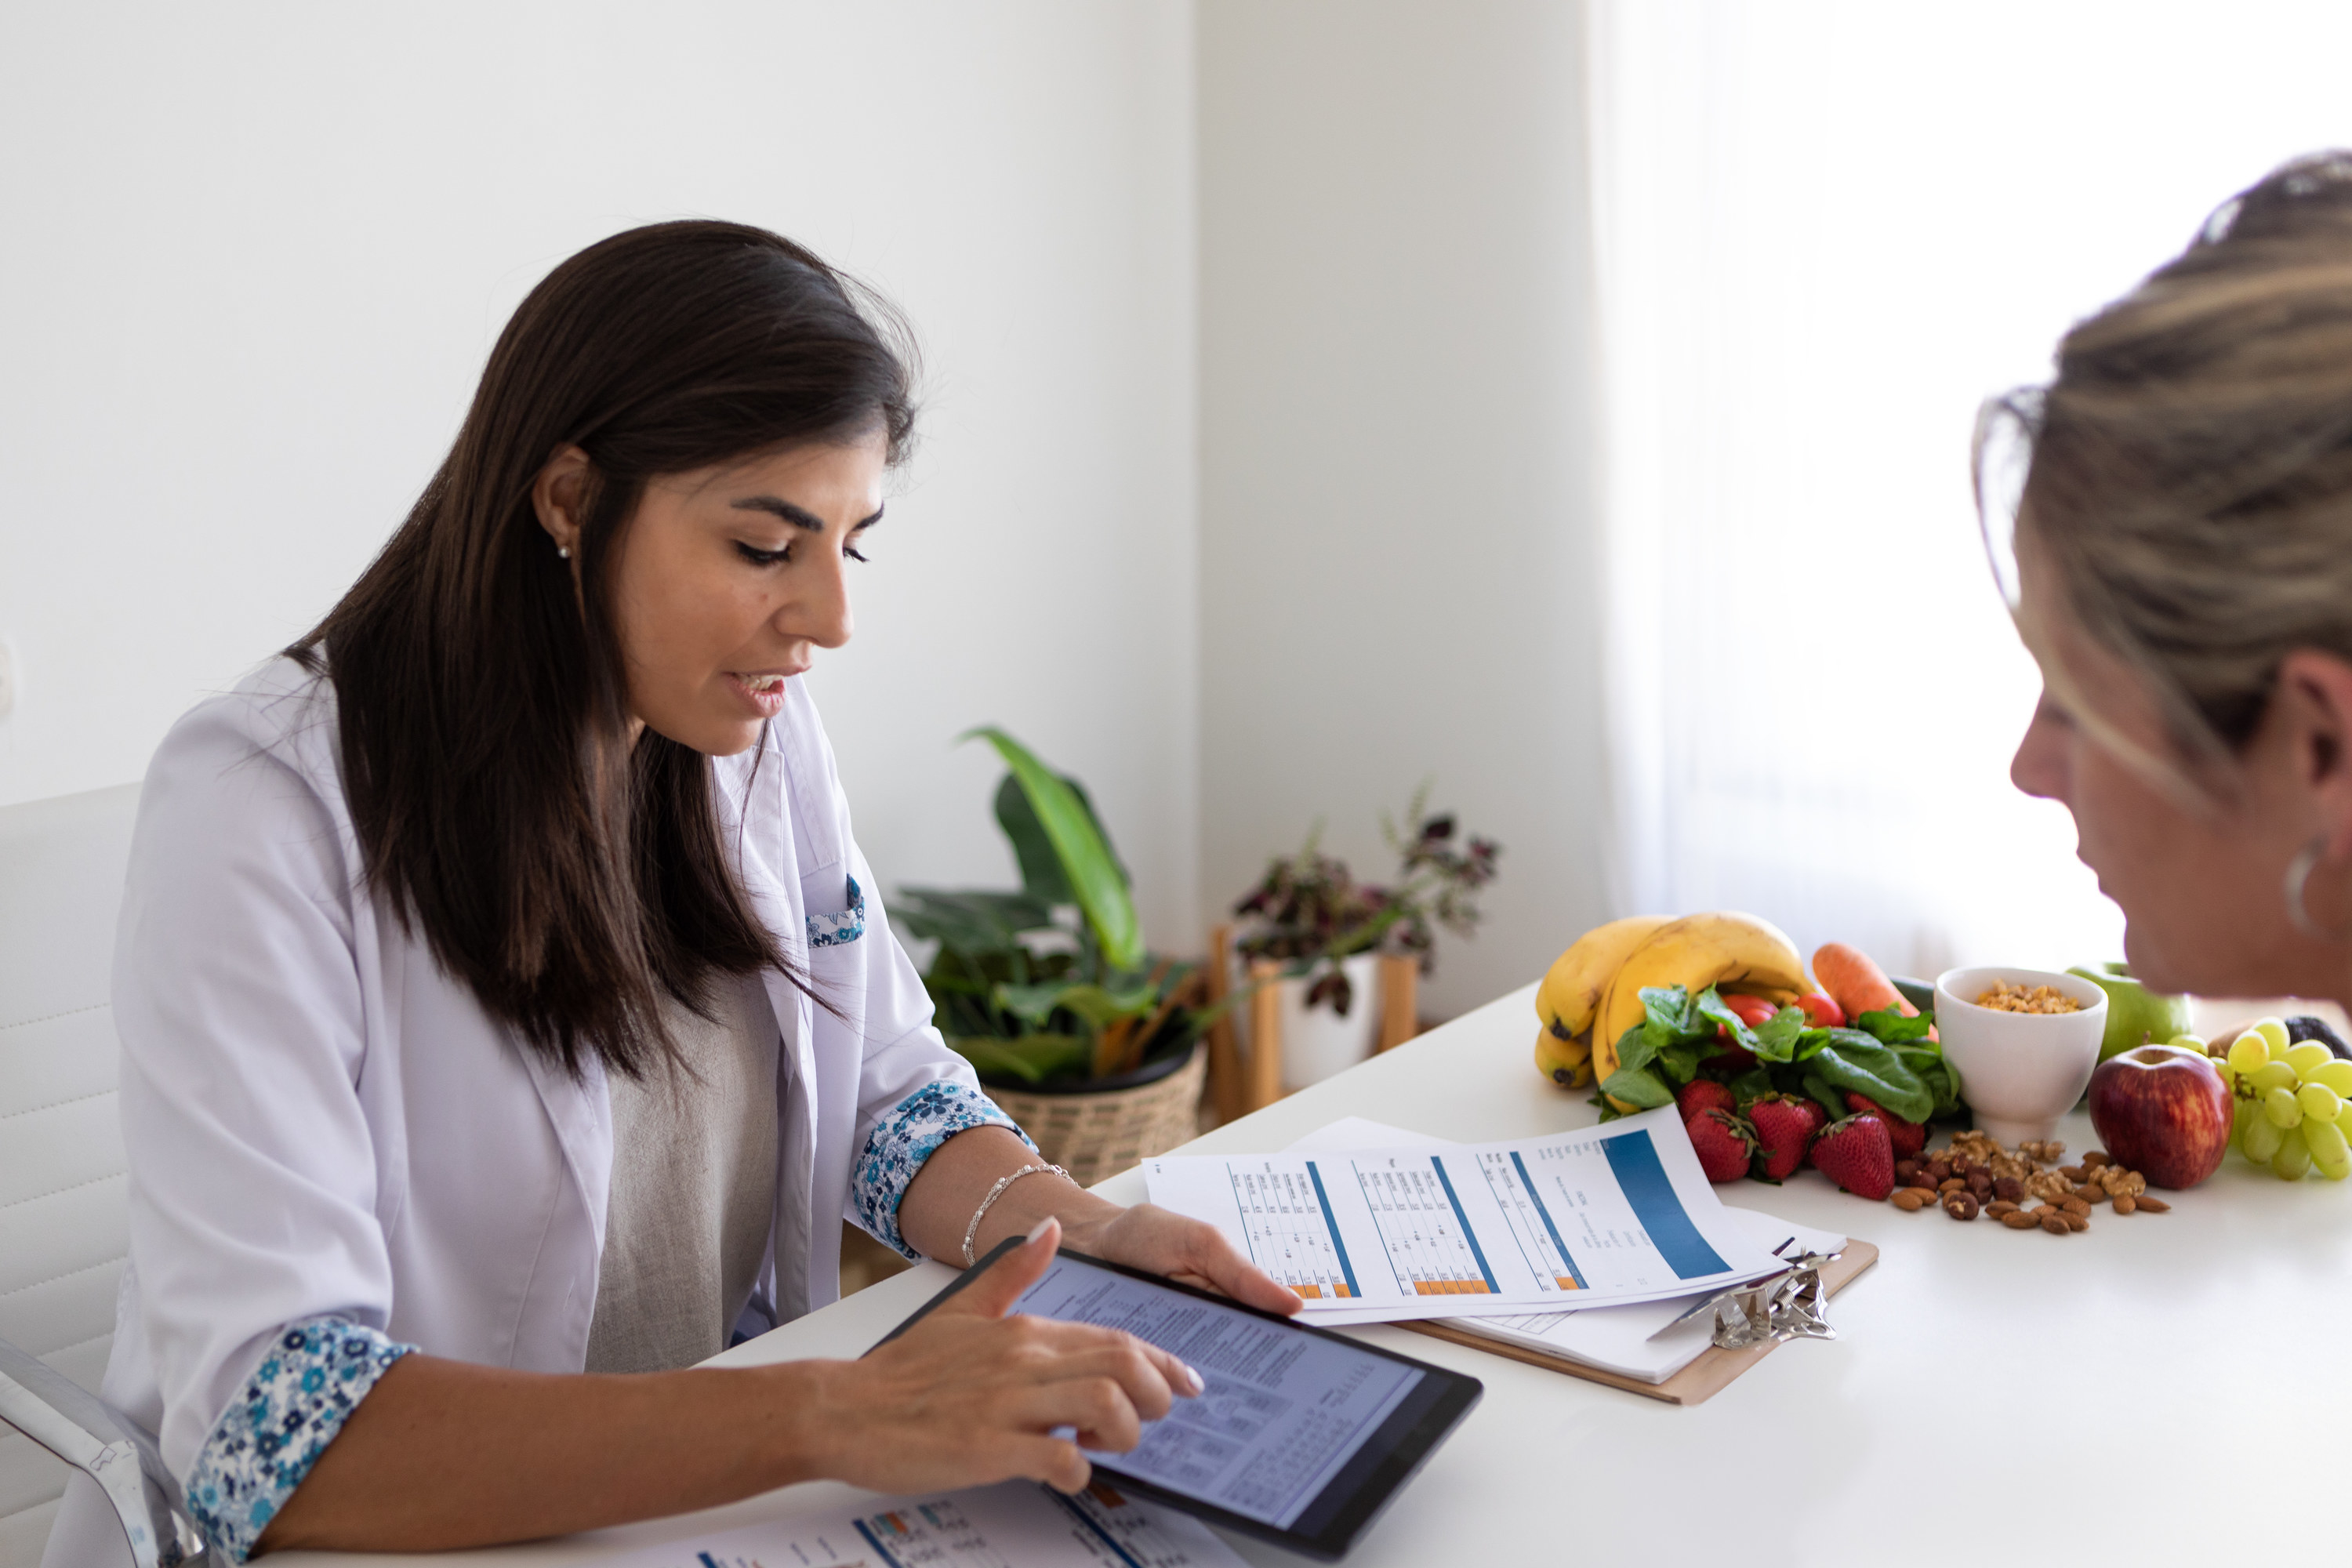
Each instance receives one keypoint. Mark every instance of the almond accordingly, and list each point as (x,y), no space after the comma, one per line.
(2054,1222)
(2125,1203)
(2152,1204)
(2018,1219)
(1910,1200)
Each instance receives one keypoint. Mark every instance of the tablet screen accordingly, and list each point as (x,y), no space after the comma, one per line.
(1285,1415)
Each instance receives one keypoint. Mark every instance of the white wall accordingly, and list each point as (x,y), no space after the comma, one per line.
(256,255)
(1397,495)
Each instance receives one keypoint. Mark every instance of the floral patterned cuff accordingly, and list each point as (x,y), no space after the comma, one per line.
(314,1375)
(902,1141)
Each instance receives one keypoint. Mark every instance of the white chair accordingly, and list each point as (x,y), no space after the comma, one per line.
(63,1215)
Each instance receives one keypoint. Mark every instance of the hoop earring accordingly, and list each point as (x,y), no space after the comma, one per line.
(2298,877)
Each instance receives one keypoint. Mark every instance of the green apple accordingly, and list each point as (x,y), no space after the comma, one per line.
(2136,1016)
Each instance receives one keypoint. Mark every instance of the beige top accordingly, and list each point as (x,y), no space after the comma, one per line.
(694,1189)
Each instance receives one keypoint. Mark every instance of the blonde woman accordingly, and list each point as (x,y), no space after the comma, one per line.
(2178,558)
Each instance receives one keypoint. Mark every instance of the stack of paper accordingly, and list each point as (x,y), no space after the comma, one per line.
(986,1528)
(1581,1246)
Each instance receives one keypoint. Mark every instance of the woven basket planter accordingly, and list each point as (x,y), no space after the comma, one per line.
(1099,1131)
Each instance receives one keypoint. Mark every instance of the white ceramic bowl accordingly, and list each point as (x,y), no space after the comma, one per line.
(2019,1072)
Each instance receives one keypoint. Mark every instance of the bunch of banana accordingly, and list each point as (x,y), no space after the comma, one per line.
(1592,994)
(1572,992)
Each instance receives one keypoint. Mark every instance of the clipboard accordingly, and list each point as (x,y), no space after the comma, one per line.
(1706,1377)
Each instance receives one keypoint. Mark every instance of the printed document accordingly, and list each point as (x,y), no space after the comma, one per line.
(1643,1341)
(1016,1525)
(1600,1216)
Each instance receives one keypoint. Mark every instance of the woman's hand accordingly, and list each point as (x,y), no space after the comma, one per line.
(1190,1251)
(969,1396)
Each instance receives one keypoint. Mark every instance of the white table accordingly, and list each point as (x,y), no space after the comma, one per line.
(2097,1398)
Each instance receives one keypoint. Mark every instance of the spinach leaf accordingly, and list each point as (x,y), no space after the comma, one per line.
(1776,1037)
(1890,1027)
(1638,1087)
(1851,1060)
(1682,1060)
(1926,1063)
(1817,1089)
(1712,1010)
(1756,1081)
(1666,1008)
(1636,1047)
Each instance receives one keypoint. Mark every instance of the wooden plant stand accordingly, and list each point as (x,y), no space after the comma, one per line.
(1241,1082)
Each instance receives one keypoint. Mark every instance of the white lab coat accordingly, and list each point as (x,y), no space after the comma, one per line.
(320,1121)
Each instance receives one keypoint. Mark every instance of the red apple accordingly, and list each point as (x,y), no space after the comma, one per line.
(2162,1110)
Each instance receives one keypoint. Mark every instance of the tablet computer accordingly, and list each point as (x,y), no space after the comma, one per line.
(1302,1435)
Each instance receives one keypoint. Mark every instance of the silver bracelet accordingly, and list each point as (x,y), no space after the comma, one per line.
(996,1192)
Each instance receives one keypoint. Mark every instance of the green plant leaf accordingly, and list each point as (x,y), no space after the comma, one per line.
(1097,1005)
(1097,884)
(1032,1058)
(974,922)
(1041,868)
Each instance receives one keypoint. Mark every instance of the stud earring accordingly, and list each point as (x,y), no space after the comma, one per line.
(2298,877)
(564,553)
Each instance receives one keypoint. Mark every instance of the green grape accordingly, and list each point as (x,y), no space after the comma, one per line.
(2308,1057)
(2238,1118)
(2319,1102)
(2292,1160)
(2262,1139)
(2191,1042)
(2337,1075)
(2273,1034)
(2271,1075)
(2282,1107)
(2329,1150)
(2249,1051)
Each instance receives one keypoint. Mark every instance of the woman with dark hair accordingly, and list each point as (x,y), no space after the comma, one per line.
(2171,520)
(503,998)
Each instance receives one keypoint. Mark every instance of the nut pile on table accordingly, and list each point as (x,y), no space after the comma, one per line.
(2025,1188)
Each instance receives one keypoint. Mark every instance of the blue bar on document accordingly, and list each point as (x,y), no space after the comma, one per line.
(1642,1179)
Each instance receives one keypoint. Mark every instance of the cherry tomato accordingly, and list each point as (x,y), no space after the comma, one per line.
(1750,1010)
(1821,1012)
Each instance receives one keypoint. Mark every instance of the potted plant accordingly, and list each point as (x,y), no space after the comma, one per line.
(1086,1039)
(1327,932)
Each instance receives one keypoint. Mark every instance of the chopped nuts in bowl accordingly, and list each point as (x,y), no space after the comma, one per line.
(2019,1071)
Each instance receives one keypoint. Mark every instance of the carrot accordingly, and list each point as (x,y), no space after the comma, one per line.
(1855,984)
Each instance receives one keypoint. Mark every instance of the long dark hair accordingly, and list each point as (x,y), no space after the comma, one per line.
(569,879)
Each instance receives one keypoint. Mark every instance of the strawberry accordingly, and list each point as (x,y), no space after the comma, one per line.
(1908,1137)
(1857,1156)
(1784,1130)
(1703,1094)
(1724,1144)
